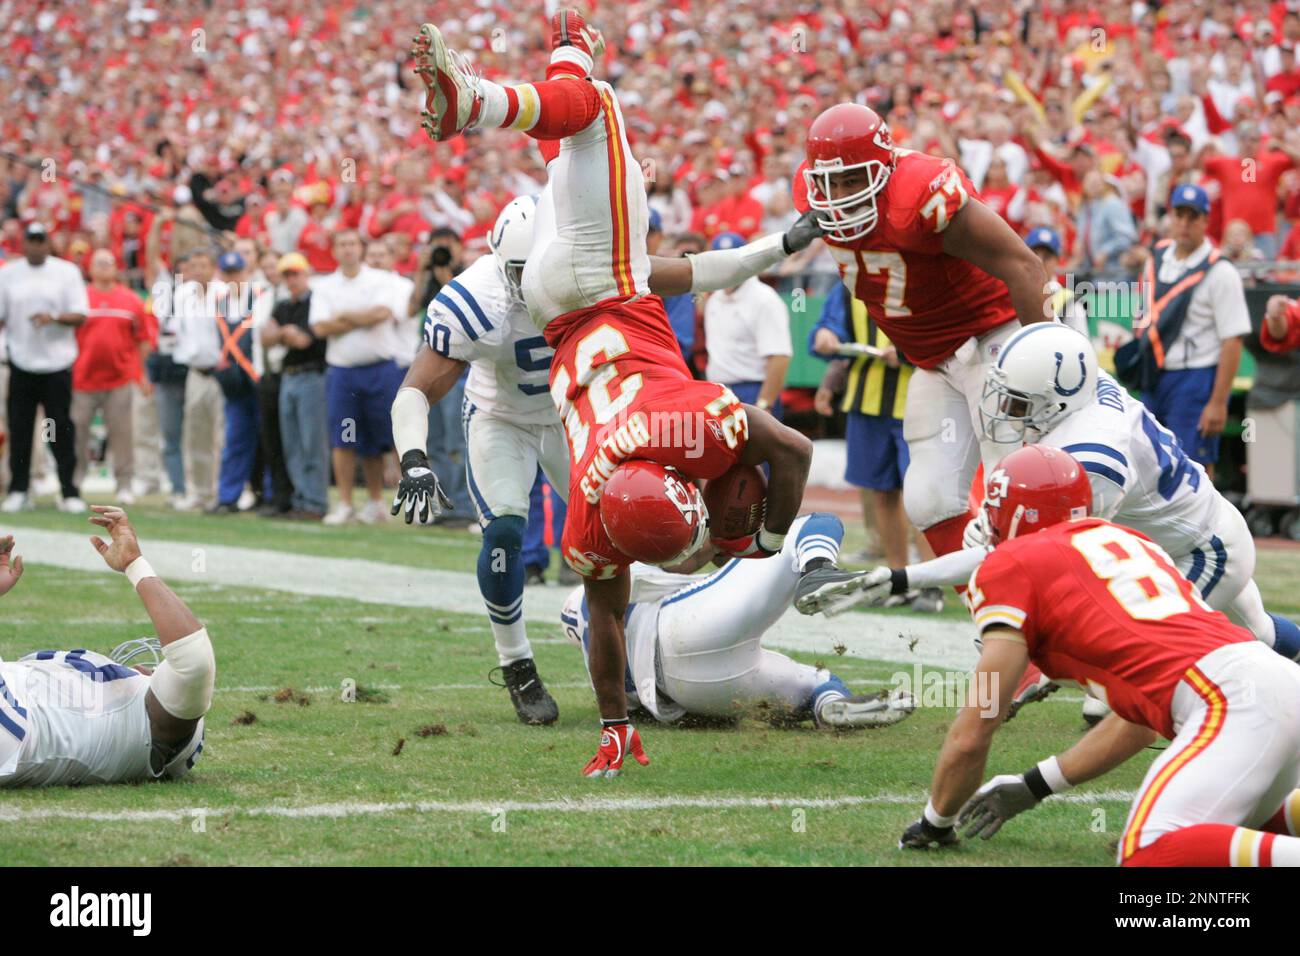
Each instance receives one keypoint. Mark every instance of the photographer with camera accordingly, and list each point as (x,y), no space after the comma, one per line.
(440,263)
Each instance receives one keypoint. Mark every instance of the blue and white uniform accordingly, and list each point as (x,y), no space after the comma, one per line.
(510,422)
(693,642)
(77,717)
(1142,478)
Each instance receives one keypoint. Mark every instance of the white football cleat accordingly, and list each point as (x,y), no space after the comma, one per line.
(1094,709)
(15,502)
(451,101)
(867,710)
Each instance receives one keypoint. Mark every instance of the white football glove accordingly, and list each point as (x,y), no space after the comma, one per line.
(976,534)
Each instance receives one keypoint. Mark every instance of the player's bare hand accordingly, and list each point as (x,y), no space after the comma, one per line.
(122,547)
(11,565)
(1213,417)
(822,400)
(825,342)
(994,804)
(420,497)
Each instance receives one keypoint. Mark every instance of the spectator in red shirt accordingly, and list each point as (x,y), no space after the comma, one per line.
(1248,183)
(110,347)
(1281,330)
(316,240)
(399,211)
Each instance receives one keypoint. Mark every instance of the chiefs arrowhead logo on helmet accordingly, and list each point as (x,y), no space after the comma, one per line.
(1034,488)
(652,513)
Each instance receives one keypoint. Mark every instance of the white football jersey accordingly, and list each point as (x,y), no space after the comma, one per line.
(1140,475)
(474,319)
(75,717)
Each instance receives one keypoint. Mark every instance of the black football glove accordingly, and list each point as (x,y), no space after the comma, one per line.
(802,233)
(923,834)
(419,496)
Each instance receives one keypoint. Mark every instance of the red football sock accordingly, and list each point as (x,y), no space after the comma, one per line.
(945,537)
(1218,844)
(551,109)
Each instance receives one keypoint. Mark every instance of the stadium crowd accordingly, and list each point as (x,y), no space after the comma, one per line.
(274,149)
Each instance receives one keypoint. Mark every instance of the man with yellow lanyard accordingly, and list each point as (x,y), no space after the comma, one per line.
(873,377)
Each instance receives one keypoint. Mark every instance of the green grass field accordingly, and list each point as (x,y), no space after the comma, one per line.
(430,766)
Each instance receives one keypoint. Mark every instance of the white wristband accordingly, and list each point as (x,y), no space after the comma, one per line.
(138,570)
(1052,776)
(770,540)
(935,818)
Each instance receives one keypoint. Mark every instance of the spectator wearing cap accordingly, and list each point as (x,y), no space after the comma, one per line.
(1248,182)
(1105,230)
(198,349)
(351,308)
(111,346)
(1065,306)
(42,301)
(1194,341)
(304,425)
(238,377)
(748,331)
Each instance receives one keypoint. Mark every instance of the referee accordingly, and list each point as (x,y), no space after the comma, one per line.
(42,301)
(875,391)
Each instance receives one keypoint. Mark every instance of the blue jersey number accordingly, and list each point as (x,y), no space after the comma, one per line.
(1173,461)
(529,362)
(439,338)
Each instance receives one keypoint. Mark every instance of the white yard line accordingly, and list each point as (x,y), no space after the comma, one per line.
(938,643)
(583,805)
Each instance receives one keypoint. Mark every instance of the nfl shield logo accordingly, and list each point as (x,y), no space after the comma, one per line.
(1031,515)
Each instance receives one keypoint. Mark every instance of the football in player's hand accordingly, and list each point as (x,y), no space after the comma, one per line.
(735,502)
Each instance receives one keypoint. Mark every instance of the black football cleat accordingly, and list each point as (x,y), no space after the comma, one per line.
(533,703)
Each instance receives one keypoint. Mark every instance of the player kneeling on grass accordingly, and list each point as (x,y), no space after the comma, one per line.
(1105,607)
(77,717)
(693,643)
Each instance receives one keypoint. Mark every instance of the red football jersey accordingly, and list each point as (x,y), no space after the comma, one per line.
(623,392)
(1105,607)
(925,300)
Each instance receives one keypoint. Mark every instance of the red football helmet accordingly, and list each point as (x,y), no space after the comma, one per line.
(1034,488)
(846,138)
(652,513)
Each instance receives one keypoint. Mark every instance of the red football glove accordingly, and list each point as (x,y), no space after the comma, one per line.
(615,743)
(746,547)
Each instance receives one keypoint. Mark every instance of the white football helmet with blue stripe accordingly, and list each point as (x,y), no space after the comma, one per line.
(1044,373)
(511,239)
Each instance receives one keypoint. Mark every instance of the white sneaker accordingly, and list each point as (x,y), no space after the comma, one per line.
(187,503)
(16,501)
(341,514)
(45,486)
(373,512)
(125,496)
(246,499)
(72,506)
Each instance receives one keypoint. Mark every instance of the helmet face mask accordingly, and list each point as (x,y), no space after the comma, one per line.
(1011,417)
(847,217)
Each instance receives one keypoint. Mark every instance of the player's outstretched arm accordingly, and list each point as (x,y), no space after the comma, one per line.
(965,750)
(11,565)
(727,268)
(788,455)
(606,651)
(419,495)
(180,688)
(983,238)
(1113,741)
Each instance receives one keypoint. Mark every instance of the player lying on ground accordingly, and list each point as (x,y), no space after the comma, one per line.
(617,379)
(1102,606)
(945,278)
(1046,389)
(479,320)
(76,717)
(693,643)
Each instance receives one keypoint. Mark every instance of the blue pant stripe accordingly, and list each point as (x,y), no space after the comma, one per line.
(1221,560)
(1198,565)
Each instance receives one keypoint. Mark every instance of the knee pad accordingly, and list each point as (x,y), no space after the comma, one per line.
(505,533)
(183,682)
